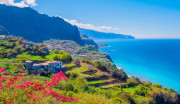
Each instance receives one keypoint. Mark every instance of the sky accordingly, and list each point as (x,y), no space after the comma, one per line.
(140,18)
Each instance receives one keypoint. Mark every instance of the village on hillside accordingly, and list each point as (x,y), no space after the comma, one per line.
(78,52)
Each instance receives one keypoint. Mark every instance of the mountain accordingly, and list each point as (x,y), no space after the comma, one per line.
(101,35)
(88,41)
(33,26)
(3,31)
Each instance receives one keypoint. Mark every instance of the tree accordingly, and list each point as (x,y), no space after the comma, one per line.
(56,57)
(42,45)
(141,90)
(65,57)
(81,83)
(20,38)
(99,65)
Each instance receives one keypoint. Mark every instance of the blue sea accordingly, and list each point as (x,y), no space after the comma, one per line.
(156,60)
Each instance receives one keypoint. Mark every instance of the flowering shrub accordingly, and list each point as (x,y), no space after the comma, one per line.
(20,89)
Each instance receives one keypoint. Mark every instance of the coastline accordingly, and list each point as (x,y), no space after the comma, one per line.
(144,77)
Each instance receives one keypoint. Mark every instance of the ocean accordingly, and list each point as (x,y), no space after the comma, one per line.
(154,60)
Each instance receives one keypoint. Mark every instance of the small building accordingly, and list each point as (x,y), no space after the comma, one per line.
(3,37)
(28,64)
(36,69)
(30,43)
(82,56)
(39,67)
(45,66)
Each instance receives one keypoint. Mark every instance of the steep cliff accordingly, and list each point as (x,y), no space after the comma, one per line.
(31,25)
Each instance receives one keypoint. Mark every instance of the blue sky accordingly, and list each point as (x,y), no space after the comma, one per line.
(140,18)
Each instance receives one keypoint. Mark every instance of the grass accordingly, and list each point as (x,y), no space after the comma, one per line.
(110,79)
(86,98)
(50,57)
(70,65)
(43,78)
(7,60)
(100,73)
(95,82)
(100,81)
(79,70)
(38,58)
(129,90)
(24,57)
(110,85)
(84,67)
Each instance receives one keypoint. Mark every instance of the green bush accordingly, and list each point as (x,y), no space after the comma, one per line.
(63,56)
(157,85)
(100,66)
(67,86)
(81,83)
(87,60)
(132,82)
(125,98)
(141,90)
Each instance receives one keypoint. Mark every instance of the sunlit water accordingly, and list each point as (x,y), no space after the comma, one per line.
(157,60)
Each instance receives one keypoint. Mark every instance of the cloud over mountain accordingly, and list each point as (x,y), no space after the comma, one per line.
(23,3)
(91,27)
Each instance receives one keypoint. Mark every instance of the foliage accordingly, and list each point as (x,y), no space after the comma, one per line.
(87,60)
(141,90)
(86,49)
(11,47)
(160,95)
(99,65)
(120,74)
(129,89)
(70,65)
(62,56)
(132,82)
(12,67)
(157,85)
(18,89)
(81,83)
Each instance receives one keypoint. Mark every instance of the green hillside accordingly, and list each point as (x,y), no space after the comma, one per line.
(88,81)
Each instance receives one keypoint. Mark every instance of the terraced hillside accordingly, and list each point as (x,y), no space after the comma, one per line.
(94,76)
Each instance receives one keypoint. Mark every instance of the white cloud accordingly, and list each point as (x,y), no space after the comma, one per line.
(91,27)
(23,3)
(31,2)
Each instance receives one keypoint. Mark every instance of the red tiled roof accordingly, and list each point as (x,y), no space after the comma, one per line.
(28,61)
(44,64)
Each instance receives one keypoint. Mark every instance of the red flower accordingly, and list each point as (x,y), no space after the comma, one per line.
(12,81)
(22,71)
(7,72)
(1,70)
(36,88)
(36,97)
(1,87)
(29,100)
(9,102)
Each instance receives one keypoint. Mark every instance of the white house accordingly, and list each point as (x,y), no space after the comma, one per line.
(37,68)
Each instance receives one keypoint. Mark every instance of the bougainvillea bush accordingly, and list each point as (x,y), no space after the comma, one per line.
(20,89)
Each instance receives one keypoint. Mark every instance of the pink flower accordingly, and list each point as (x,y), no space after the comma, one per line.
(1,70)
(7,72)
(22,71)
(29,100)
(45,89)
(1,87)
(9,102)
